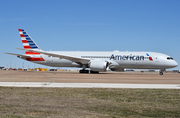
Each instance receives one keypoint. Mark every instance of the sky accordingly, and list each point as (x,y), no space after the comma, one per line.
(90,25)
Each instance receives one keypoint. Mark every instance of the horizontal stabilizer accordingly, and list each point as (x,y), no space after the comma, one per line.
(17,55)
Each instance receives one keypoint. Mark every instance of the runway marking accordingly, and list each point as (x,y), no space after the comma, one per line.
(88,85)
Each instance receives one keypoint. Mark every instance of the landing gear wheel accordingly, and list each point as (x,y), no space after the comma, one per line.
(83,71)
(94,72)
(160,73)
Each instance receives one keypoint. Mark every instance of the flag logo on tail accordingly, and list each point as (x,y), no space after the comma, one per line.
(27,41)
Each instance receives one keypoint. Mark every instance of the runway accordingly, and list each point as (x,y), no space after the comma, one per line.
(89,85)
(102,80)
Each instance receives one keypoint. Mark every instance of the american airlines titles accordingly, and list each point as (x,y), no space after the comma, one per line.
(127,57)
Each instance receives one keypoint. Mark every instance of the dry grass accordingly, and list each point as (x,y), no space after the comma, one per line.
(77,102)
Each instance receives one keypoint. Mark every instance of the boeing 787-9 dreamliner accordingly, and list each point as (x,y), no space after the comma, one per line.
(96,61)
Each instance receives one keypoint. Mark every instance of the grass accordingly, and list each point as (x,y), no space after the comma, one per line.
(93,102)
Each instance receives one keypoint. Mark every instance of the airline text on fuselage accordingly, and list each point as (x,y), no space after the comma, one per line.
(127,57)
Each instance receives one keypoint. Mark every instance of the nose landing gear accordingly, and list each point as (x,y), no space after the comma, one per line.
(161,71)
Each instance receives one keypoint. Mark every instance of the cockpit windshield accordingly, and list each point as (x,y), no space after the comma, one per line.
(169,58)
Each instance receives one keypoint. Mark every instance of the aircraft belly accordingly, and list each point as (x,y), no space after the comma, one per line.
(60,63)
(140,64)
(128,64)
(156,65)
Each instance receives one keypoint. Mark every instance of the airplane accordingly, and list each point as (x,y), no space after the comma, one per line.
(94,61)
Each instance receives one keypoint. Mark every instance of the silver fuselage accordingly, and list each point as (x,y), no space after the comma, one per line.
(134,60)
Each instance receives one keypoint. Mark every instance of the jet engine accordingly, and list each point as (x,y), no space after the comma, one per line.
(99,65)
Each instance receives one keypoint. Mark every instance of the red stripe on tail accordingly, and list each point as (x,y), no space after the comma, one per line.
(32,53)
(22,35)
(27,47)
(24,41)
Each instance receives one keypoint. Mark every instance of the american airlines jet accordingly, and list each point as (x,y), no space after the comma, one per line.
(96,61)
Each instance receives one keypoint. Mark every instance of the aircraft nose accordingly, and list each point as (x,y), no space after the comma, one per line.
(171,64)
(174,64)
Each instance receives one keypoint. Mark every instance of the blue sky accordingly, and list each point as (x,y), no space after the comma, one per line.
(90,25)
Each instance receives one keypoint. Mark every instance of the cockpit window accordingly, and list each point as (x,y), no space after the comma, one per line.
(169,58)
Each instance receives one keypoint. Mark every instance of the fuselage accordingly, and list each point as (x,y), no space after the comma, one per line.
(134,60)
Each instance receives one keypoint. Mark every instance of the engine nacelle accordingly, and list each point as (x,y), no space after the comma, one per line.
(118,69)
(98,65)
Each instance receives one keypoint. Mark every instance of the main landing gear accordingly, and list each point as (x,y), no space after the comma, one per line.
(94,72)
(161,71)
(83,71)
(87,71)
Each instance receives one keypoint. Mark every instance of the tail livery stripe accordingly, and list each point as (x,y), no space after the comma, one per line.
(32,53)
(27,47)
(27,41)
(23,38)
(24,41)
(25,44)
(20,30)
(22,35)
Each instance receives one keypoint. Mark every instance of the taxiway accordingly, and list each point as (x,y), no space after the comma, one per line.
(102,80)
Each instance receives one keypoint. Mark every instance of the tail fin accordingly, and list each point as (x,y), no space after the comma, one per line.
(28,42)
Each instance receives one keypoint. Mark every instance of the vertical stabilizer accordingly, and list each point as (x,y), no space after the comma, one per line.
(28,42)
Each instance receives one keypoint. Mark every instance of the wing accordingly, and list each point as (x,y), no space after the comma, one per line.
(71,58)
(18,55)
